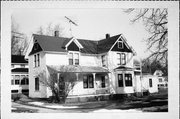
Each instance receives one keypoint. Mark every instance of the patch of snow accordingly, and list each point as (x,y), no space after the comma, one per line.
(36,103)
(61,107)
(12,108)
(116,110)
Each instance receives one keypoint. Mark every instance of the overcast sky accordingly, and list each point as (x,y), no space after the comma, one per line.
(93,24)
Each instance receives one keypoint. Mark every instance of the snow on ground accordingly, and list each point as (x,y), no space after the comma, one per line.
(116,110)
(52,106)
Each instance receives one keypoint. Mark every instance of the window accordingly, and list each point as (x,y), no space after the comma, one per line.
(103,84)
(17,79)
(120,80)
(103,60)
(12,80)
(73,58)
(76,57)
(128,79)
(121,57)
(150,82)
(24,80)
(22,65)
(120,44)
(36,60)
(36,84)
(160,79)
(88,81)
(70,58)
(85,81)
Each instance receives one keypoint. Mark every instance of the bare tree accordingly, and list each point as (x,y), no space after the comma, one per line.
(155,21)
(50,29)
(18,39)
(60,85)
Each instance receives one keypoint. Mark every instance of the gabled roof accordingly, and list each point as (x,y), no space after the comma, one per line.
(57,44)
(105,45)
(50,43)
(18,59)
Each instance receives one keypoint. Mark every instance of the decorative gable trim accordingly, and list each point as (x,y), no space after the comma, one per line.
(124,41)
(75,41)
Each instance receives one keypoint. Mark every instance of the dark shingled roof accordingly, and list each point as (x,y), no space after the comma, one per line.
(57,44)
(50,43)
(104,45)
(20,70)
(18,59)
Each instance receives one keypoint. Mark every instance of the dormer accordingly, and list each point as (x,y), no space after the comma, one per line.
(73,45)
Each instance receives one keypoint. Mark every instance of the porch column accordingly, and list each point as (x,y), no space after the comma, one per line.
(77,76)
(94,78)
(124,85)
(58,75)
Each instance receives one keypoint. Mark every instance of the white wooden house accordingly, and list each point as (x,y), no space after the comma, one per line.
(19,75)
(106,65)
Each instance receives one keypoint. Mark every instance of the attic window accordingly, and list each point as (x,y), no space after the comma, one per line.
(120,44)
(35,46)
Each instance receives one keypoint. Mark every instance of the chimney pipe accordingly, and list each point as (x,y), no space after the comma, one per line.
(107,35)
(56,33)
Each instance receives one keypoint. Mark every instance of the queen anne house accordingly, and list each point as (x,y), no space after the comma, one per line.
(106,65)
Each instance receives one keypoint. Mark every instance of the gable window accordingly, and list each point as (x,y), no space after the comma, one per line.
(88,81)
(150,82)
(128,79)
(121,57)
(36,84)
(36,60)
(120,44)
(103,60)
(103,84)
(120,80)
(73,58)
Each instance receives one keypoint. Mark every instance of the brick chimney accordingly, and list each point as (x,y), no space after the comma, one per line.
(107,35)
(56,33)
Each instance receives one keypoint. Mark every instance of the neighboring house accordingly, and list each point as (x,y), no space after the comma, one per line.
(149,83)
(102,67)
(162,80)
(19,75)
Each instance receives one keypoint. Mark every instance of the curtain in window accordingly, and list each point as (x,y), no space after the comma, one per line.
(128,79)
(120,80)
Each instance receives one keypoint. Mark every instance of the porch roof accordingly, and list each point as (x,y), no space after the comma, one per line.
(124,68)
(76,69)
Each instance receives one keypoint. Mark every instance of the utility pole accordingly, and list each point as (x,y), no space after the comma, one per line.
(71,22)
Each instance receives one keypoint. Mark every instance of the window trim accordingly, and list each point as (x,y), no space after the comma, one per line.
(37,84)
(128,82)
(73,58)
(122,46)
(121,59)
(150,83)
(88,81)
(103,60)
(122,81)
(37,60)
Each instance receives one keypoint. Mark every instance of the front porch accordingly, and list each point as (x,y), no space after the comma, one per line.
(89,80)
